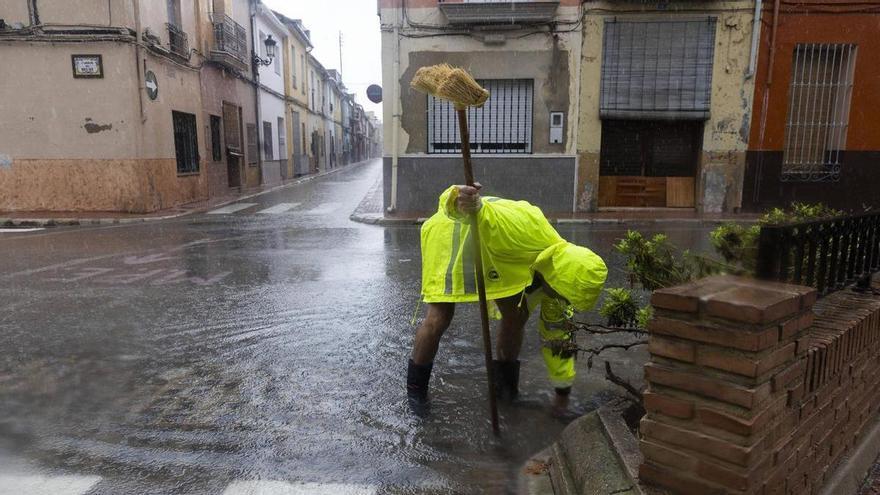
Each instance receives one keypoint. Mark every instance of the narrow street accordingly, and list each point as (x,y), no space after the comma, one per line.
(261,345)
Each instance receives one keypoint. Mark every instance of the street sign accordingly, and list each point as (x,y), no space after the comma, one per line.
(152,85)
(374,93)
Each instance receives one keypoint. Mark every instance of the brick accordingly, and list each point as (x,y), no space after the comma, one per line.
(670,406)
(802,345)
(741,339)
(725,360)
(672,349)
(789,375)
(776,358)
(721,420)
(752,304)
(697,442)
(659,454)
(686,298)
(728,478)
(669,478)
(795,395)
(708,387)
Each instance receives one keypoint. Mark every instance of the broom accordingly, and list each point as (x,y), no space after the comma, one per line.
(457,86)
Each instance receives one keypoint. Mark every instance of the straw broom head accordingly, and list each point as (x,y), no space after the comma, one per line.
(450,83)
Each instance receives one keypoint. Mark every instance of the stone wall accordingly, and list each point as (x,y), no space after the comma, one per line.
(754,387)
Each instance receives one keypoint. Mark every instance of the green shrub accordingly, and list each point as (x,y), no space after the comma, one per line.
(619,308)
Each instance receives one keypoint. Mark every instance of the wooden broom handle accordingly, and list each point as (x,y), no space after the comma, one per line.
(478,261)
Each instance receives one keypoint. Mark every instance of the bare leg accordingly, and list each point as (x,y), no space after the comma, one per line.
(510,331)
(427,339)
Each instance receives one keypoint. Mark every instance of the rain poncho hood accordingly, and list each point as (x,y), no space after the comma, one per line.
(517,240)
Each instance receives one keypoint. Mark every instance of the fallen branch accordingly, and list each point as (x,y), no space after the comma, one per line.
(611,377)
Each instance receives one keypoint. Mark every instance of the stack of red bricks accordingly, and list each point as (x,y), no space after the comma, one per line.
(749,392)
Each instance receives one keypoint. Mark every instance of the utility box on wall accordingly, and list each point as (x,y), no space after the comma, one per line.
(557,124)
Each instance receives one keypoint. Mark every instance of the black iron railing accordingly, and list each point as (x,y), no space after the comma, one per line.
(827,254)
(230,37)
(178,41)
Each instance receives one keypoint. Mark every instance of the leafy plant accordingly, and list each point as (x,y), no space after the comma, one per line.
(619,308)
(644,315)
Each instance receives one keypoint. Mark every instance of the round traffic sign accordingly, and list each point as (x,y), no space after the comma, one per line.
(152,85)
(374,93)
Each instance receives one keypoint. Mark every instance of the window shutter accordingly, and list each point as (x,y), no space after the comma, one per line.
(657,69)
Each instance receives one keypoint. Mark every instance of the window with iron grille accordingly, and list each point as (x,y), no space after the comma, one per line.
(267,141)
(818,111)
(502,125)
(216,145)
(186,146)
(252,146)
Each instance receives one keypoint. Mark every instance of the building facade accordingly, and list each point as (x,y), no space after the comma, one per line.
(528,55)
(114,120)
(228,101)
(272,107)
(814,133)
(297,92)
(665,104)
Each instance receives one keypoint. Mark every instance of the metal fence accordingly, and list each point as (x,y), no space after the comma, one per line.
(826,254)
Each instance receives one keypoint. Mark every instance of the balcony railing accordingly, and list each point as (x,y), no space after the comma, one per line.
(230,42)
(178,41)
(500,11)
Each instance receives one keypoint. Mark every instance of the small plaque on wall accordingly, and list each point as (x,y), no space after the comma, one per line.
(87,66)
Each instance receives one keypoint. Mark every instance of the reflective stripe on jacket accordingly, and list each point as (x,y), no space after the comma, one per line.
(512,234)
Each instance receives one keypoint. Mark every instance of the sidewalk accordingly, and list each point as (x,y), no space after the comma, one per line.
(370,211)
(52,218)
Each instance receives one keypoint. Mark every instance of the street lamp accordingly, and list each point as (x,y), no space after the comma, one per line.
(270,52)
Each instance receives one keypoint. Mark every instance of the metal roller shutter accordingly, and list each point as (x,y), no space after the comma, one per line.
(653,70)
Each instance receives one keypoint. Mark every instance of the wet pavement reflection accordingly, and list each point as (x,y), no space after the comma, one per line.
(182,356)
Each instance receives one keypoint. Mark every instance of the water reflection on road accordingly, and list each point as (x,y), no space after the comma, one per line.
(178,357)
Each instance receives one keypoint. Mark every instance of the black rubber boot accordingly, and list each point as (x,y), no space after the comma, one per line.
(506,379)
(417,378)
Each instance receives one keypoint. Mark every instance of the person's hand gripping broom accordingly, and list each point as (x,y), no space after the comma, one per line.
(457,86)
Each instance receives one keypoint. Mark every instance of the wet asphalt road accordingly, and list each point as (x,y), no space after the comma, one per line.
(265,347)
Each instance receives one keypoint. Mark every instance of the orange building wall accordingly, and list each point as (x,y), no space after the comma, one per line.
(861,29)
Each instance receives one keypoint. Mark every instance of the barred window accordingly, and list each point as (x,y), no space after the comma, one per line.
(216,145)
(818,111)
(252,146)
(502,125)
(186,147)
(267,141)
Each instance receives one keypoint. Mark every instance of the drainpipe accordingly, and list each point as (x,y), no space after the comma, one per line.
(773,42)
(756,31)
(136,6)
(256,70)
(395,120)
(33,13)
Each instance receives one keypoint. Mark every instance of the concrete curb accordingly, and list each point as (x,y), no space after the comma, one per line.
(854,467)
(73,221)
(379,219)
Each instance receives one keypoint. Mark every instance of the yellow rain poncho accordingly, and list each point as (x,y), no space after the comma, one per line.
(517,240)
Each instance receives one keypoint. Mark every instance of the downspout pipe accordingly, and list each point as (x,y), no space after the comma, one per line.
(395,120)
(256,70)
(756,33)
(773,42)
(139,60)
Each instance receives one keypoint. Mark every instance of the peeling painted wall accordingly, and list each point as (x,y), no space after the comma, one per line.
(725,137)
(79,144)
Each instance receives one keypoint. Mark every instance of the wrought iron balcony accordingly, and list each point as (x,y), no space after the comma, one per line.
(230,43)
(178,41)
(500,11)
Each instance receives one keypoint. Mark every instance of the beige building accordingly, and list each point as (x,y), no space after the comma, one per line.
(106,123)
(610,104)
(665,104)
(299,113)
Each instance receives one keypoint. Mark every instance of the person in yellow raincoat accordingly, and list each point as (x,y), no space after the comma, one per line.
(528,267)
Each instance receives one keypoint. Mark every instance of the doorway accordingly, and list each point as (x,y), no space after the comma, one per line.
(232,133)
(649,163)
